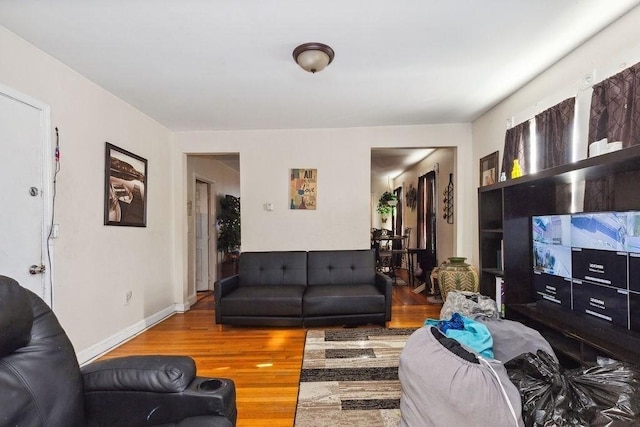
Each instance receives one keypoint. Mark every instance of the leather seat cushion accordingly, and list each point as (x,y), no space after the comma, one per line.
(322,300)
(271,300)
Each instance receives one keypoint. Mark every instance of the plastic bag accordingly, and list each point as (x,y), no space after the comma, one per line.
(468,304)
(599,396)
(607,394)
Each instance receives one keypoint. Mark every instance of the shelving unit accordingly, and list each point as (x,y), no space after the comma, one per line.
(505,211)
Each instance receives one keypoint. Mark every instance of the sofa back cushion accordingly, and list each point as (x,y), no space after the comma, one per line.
(341,267)
(273,268)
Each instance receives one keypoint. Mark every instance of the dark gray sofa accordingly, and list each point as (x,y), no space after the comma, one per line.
(297,288)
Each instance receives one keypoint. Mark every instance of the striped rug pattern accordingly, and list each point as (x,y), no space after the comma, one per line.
(349,377)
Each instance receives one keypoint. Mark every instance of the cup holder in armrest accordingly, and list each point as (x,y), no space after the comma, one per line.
(210,385)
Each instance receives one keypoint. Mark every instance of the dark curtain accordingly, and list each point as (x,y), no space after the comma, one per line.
(426,212)
(397,227)
(420,214)
(516,146)
(615,108)
(426,225)
(615,115)
(397,224)
(554,133)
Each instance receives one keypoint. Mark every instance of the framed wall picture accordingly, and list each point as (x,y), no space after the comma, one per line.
(489,169)
(125,185)
(303,189)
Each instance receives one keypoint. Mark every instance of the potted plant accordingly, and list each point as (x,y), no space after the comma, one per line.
(229,226)
(384,207)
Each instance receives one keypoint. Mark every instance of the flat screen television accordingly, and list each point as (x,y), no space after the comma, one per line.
(589,262)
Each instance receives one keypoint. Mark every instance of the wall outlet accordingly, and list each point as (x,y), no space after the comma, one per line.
(127,297)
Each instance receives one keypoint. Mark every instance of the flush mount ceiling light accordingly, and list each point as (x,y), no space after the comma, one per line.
(313,57)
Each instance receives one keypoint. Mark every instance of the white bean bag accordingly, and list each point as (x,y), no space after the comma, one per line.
(444,384)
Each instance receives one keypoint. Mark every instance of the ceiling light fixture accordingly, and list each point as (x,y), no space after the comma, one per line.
(313,57)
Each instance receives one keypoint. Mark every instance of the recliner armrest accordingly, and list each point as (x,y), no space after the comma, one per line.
(204,402)
(160,374)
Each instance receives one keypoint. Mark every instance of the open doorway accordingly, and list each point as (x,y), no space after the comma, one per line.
(209,178)
(399,170)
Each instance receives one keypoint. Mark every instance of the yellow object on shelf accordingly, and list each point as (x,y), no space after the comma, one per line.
(516,172)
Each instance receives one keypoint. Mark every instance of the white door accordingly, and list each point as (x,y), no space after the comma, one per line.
(202,236)
(24,138)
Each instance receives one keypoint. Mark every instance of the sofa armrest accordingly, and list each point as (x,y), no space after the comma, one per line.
(226,285)
(385,285)
(223,287)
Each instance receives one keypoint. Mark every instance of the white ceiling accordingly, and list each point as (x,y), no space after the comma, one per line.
(391,162)
(227,64)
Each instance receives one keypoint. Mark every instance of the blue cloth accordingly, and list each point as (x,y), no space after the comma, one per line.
(456,322)
(473,334)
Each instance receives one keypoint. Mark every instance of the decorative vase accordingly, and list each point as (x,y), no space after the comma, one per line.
(457,275)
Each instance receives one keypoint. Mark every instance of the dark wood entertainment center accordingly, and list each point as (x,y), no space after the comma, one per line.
(505,211)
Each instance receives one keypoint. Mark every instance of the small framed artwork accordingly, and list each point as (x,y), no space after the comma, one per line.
(125,185)
(489,169)
(303,189)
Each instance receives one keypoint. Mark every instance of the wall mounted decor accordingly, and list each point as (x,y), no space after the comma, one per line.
(125,185)
(412,197)
(489,169)
(303,189)
(448,201)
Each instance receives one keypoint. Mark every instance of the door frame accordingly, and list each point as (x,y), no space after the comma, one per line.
(47,244)
(213,244)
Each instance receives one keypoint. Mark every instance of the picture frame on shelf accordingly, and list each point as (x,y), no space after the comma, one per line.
(125,185)
(489,169)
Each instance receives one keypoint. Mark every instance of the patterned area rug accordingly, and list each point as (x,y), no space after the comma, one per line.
(350,378)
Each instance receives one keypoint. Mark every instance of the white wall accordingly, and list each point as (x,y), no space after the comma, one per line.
(609,52)
(96,265)
(225,181)
(379,184)
(343,160)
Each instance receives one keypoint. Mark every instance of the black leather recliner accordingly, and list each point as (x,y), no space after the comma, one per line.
(41,383)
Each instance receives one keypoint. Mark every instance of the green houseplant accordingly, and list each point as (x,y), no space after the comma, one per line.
(229,225)
(384,208)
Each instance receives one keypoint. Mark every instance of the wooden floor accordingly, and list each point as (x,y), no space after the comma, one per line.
(264,362)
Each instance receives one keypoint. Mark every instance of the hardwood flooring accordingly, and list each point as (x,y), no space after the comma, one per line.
(264,362)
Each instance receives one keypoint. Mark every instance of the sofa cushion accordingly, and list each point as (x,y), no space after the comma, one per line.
(262,300)
(346,267)
(273,268)
(341,299)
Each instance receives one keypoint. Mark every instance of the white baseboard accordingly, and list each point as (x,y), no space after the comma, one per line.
(99,349)
(192,300)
